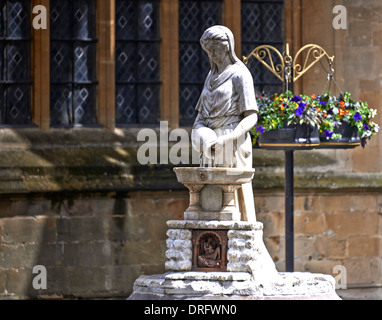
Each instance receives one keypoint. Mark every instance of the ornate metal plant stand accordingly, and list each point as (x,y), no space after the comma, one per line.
(212,254)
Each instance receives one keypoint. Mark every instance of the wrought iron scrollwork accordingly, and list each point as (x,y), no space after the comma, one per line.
(263,52)
(314,53)
(289,69)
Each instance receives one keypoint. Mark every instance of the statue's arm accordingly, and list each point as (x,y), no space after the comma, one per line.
(199,121)
(245,125)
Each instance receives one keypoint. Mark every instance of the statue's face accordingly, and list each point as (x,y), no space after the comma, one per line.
(217,50)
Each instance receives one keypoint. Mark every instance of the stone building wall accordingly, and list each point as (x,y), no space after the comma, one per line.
(358,64)
(96,245)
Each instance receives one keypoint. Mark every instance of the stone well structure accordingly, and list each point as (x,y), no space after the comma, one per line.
(212,254)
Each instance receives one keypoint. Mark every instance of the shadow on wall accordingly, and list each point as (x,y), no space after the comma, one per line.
(69,205)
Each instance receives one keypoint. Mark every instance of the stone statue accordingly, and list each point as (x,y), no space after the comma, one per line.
(211,237)
(227,111)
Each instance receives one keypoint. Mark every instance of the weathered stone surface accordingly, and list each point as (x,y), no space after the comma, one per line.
(211,198)
(179,250)
(195,224)
(246,250)
(223,285)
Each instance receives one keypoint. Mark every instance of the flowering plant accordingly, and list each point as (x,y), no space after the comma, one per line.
(325,112)
(282,111)
(343,109)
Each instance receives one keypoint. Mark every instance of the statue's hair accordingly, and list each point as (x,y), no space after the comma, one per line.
(220,33)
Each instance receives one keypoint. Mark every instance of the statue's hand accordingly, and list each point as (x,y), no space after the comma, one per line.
(221,142)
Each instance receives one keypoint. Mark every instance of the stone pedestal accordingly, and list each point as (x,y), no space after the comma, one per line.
(212,192)
(233,286)
(211,254)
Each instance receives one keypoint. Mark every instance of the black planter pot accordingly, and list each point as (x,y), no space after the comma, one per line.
(349,139)
(299,136)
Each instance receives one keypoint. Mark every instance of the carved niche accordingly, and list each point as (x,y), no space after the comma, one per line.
(209,250)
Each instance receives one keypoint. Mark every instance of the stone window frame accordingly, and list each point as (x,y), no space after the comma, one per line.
(106,89)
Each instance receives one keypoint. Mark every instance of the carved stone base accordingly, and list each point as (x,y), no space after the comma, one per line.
(229,255)
(234,285)
(250,275)
(243,252)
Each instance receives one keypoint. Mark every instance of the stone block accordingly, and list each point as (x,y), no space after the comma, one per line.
(19,282)
(324,266)
(178,265)
(243,255)
(211,198)
(177,207)
(237,243)
(80,229)
(85,281)
(3,281)
(154,226)
(27,229)
(360,58)
(377,35)
(270,203)
(142,252)
(179,252)
(345,224)
(364,247)
(181,234)
(274,223)
(337,247)
(304,245)
(182,244)
(309,223)
(89,254)
(243,234)
(212,215)
(178,255)
(352,223)
(334,203)
(276,248)
(142,203)
(360,34)
(363,271)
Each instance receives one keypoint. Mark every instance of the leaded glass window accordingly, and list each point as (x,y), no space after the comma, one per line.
(137,62)
(15,74)
(261,23)
(73,62)
(194,18)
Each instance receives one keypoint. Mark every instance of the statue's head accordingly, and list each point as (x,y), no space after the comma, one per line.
(219,40)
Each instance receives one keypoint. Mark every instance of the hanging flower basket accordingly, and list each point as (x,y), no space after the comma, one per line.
(301,135)
(347,137)
(346,122)
(313,121)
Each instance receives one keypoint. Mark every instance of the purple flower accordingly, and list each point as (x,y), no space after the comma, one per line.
(296,98)
(365,127)
(323,103)
(357,117)
(328,133)
(301,108)
(260,129)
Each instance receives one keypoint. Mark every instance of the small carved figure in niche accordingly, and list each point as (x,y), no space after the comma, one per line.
(210,254)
